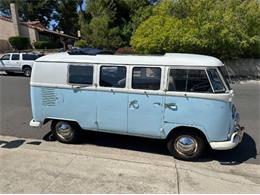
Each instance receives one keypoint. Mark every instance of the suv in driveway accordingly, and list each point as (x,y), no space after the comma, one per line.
(18,62)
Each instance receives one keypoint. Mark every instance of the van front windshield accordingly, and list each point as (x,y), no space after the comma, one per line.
(223,71)
(216,81)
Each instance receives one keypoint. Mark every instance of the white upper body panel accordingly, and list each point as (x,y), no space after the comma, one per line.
(52,69)
(175,59)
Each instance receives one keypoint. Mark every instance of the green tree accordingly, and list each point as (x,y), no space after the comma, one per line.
(67,16)
(223,29)
(109,23)
(97,26)
(137,12)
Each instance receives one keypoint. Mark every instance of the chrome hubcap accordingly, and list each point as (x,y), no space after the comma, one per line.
(186,145)
(64,131)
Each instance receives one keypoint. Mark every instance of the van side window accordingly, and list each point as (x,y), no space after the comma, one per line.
(15,57)
(189,81)
(80,74)
(146,78)
(112,76)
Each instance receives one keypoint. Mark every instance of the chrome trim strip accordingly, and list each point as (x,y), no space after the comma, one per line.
(215,96)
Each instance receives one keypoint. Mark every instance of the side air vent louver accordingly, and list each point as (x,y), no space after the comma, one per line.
(48,97)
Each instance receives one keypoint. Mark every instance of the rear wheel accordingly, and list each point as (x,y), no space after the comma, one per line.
(186,145)
(65,132)
(27,71)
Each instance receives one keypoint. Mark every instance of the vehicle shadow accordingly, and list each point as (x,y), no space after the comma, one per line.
(11,144)
(15,74)
(245,151)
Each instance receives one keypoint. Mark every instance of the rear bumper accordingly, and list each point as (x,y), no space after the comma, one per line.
(34,123)
(236,138)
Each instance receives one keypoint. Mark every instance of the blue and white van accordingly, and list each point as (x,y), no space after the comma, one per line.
(182,98)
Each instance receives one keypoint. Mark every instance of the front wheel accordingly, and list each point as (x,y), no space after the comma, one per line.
(186,145)
(65,132)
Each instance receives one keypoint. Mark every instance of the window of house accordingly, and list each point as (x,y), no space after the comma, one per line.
(146,78)
(112,76)
(189,81)
(81,74)
(15,57)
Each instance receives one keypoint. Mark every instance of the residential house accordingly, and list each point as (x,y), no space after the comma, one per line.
(34,30)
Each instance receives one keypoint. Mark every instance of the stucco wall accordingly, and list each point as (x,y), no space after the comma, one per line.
(248,68)
(28,32)
(4,46)
(7,29)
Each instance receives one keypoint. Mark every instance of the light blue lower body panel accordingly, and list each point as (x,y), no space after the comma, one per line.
(212,117)
(135,114)
(112,111)
(68,104)
(145,115)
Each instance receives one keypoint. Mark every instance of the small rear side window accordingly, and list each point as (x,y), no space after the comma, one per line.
(81,74)
(30,56)
(15,57)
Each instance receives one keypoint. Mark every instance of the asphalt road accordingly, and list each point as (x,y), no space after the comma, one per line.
(15,115)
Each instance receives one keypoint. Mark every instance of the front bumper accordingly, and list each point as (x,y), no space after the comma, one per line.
(236,138)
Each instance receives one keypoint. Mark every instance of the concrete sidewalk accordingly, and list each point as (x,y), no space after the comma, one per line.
(37,166)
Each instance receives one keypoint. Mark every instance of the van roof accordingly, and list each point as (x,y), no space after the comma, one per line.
(167,59)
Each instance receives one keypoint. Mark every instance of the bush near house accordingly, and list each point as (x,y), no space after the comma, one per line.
(19,43)
(81,43)
(47,45)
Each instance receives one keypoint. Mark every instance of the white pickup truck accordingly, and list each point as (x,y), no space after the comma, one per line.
(18,62)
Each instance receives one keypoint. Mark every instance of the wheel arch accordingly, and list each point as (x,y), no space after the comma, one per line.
(26,65)
(188,128)
(55,120)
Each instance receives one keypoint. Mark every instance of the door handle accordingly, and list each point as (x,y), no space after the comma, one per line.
(157,103)
(171,106)
(134,104)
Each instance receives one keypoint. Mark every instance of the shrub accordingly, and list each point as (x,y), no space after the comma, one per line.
(46,45)
(211,27)
(19,43)
(81,43)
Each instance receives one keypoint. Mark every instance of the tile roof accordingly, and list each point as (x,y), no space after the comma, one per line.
(38,26)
